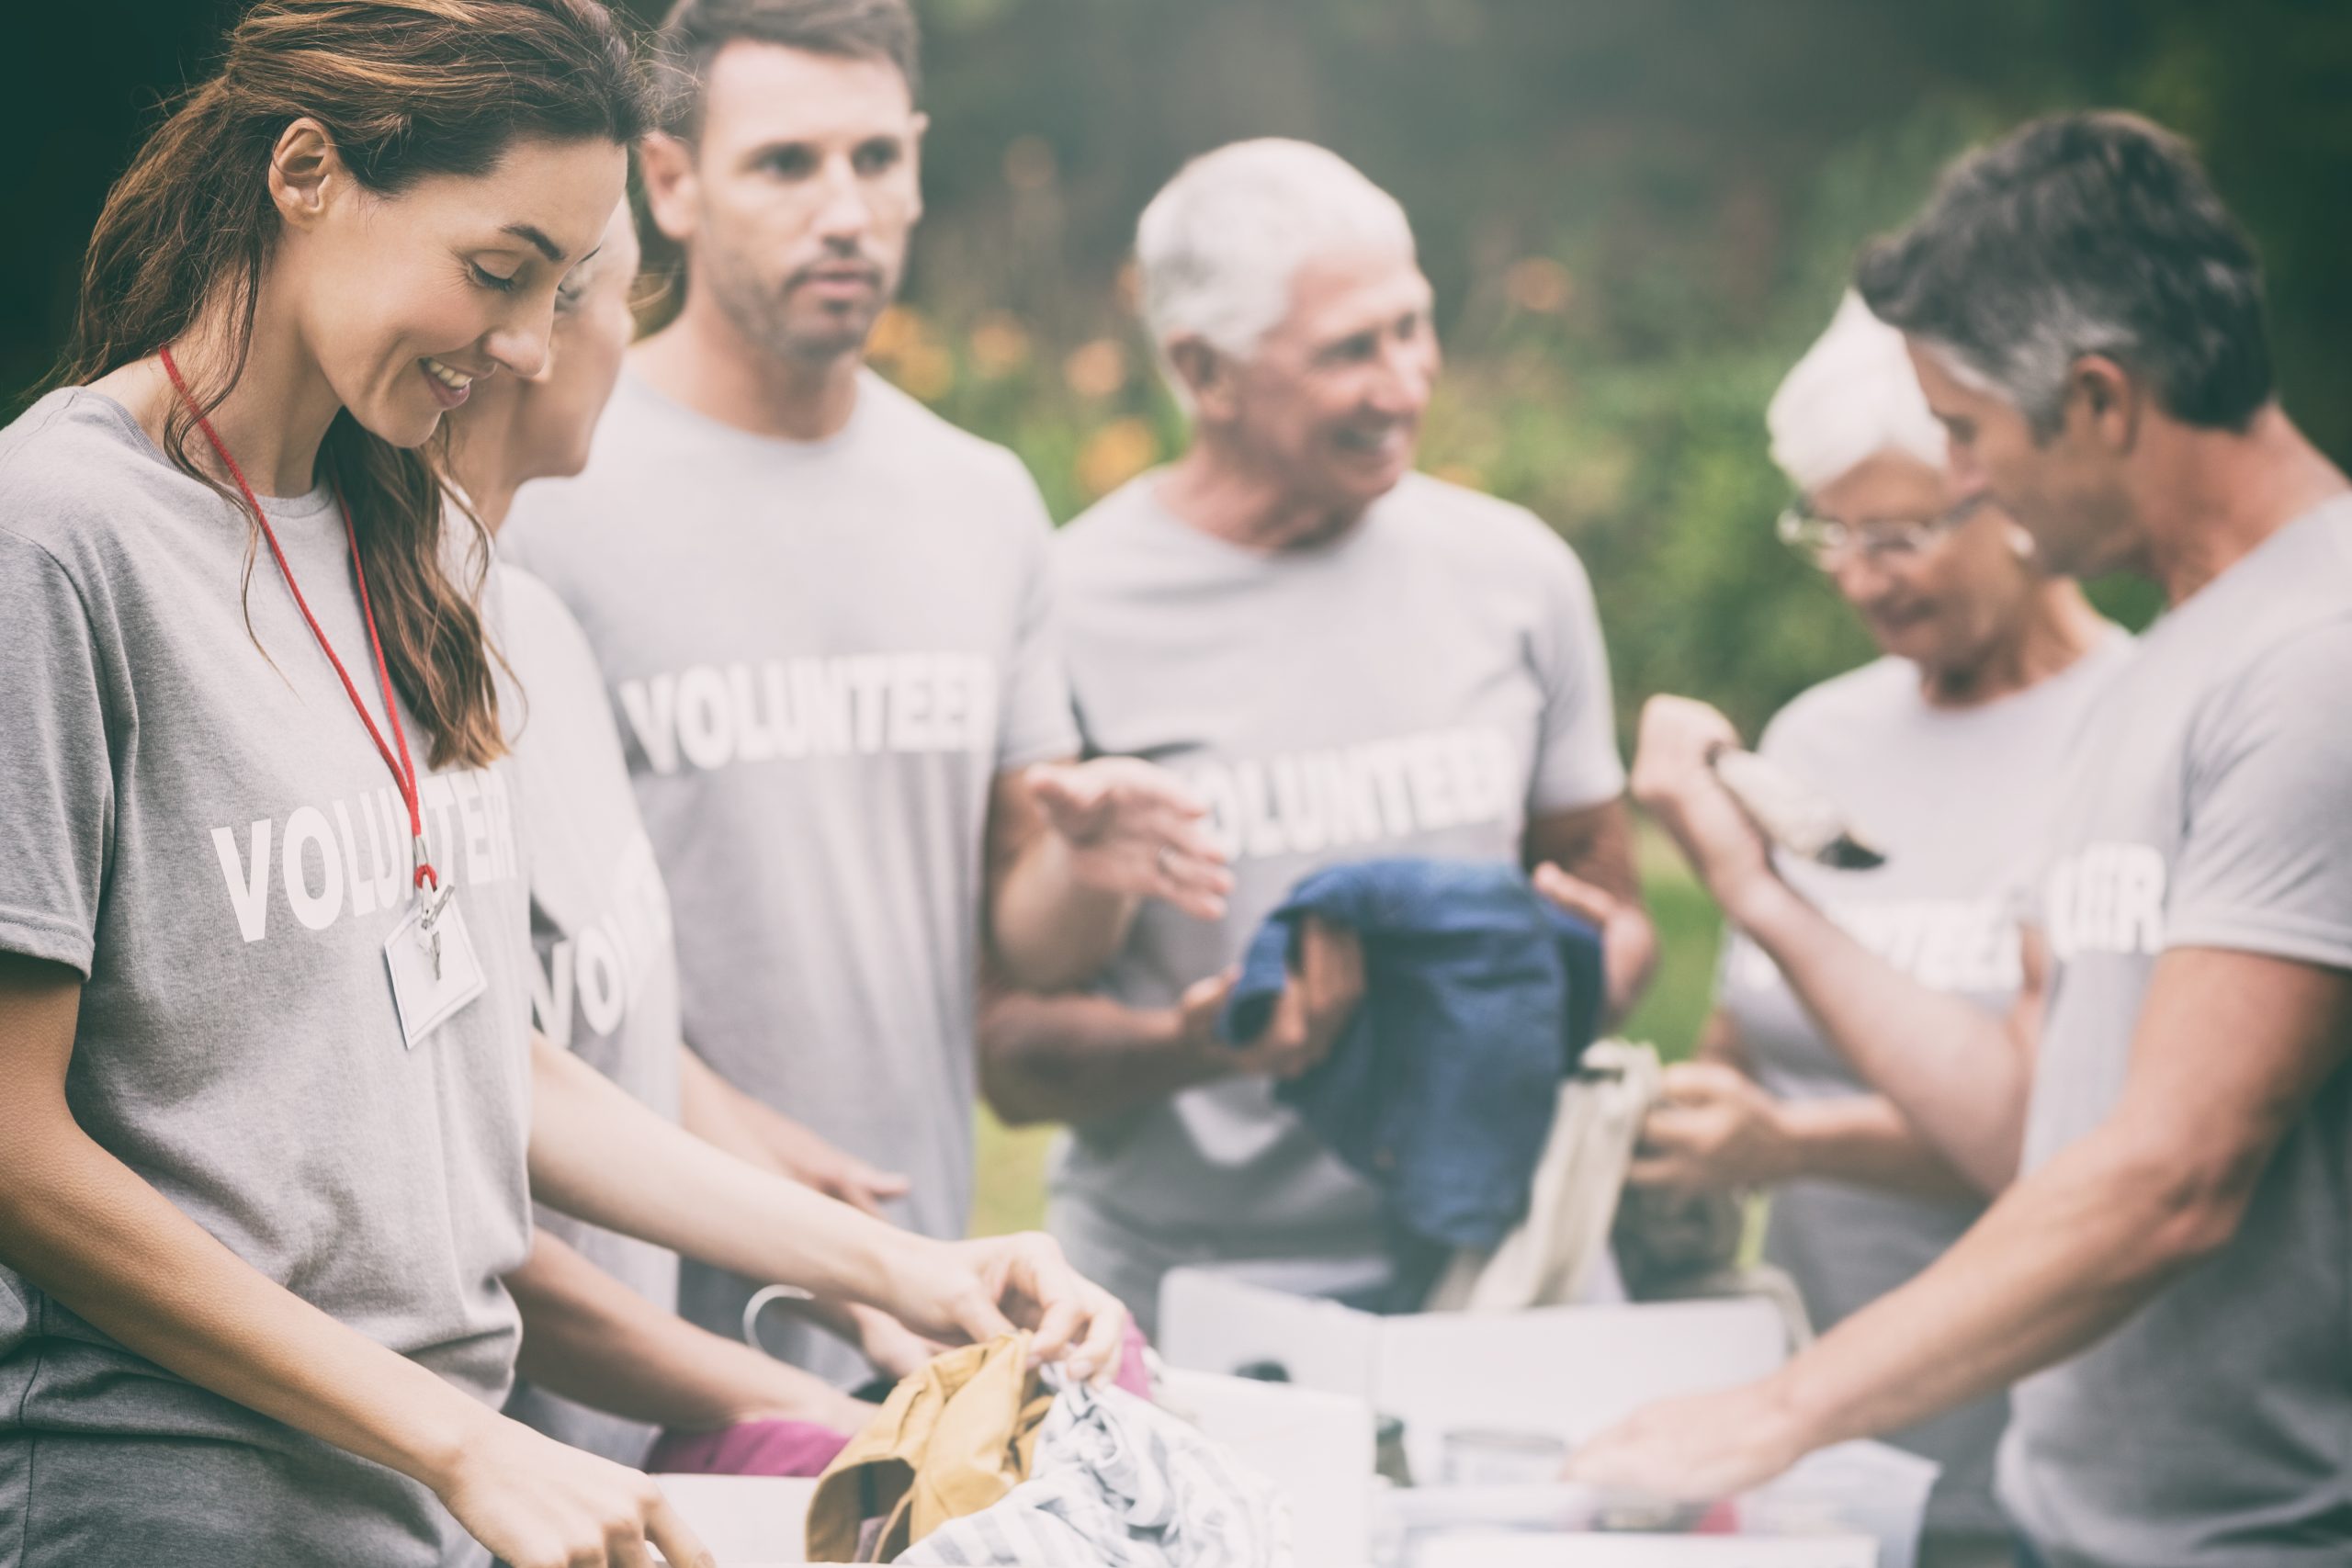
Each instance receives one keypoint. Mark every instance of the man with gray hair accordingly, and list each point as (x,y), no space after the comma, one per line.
(2169,1274)
(1346,659)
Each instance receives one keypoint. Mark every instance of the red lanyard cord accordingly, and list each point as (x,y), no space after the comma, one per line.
(404,769)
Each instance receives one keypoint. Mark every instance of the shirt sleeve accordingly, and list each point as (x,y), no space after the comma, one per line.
(2265,863)
(1577,765)
(56,771)
(1034,719)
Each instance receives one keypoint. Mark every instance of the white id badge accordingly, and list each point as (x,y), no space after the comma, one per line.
(429,992)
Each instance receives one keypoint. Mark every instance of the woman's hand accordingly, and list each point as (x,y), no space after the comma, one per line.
(537,1504)
(1712,1128)
(893,1348)
(976,1290)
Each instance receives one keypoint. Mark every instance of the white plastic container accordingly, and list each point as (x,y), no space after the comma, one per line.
(1866,1487)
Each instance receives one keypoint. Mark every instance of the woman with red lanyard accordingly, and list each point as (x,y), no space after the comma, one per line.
(266,1111)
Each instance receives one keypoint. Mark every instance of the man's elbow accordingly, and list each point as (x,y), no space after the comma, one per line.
(1993,1170)
(1015,1100)
(1007,1082)
(2191,1201)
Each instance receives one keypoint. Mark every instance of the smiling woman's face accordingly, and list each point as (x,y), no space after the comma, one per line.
(1949,604)
(514,428)
(405,300)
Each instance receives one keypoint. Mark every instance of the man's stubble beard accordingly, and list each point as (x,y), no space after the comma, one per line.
(763,319)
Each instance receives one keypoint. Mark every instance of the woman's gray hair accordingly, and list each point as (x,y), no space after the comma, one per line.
(1217,248)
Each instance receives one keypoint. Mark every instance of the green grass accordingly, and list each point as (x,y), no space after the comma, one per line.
(1011,1190)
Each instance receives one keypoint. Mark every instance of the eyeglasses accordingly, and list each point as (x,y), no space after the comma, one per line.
(1823,540)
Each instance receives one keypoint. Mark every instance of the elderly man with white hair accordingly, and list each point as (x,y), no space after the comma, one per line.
(1347,660)
(1947,748)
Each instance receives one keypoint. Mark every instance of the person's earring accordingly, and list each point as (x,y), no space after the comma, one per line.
(2020,542)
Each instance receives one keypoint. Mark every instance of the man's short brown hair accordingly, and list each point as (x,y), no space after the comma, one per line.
(695,30)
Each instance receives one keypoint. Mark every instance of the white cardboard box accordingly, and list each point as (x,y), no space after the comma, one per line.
(1567,1371)
(1502,1550)
(1313,1448)
(744,1520)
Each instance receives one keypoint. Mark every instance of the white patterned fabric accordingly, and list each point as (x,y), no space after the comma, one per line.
(1118,1482)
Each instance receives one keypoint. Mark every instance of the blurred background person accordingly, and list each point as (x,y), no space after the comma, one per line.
(824,624)
(2169,1103)
(606,1363)
(1287,604)
(1947,749)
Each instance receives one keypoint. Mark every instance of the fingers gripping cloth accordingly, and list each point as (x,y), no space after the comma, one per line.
(951,1439)
(1120,1483)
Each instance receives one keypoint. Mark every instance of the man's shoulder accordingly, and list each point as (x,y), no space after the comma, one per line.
(1481,531)
(1108,531)
(2274,619)
(920,434)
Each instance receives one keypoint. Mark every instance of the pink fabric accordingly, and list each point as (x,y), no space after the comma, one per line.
(803,1448)
(1133,1375)
(753,1448)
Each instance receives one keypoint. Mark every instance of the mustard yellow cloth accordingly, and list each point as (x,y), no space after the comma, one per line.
(951,1439)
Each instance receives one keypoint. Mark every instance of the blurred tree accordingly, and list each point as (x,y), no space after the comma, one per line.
(1636,216)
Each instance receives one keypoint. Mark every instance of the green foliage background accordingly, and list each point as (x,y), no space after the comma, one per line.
(1636,216)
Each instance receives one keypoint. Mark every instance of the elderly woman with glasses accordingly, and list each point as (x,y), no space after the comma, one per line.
(1942,749)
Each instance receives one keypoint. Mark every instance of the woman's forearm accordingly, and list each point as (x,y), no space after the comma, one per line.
(602,1156)
(1863,1139)
(590,1339)
(99,1241)
(712,1110)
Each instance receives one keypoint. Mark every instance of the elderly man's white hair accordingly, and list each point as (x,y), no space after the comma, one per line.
(1219,246)
(1853,396)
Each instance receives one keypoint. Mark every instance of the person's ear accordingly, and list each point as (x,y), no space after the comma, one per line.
(1207,376)
(2109,400)
(666,165)
(306,174)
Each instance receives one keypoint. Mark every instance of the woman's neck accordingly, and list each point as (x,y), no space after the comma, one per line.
(272,420)
(474,471)
(2057,628)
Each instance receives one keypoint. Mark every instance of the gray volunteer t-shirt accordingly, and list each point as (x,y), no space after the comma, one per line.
(1960,798)
(2209,806)
(820,655)
(1421,686)
(203,829)
(607,979)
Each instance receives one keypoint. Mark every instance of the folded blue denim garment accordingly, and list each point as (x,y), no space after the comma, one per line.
(1480,995)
